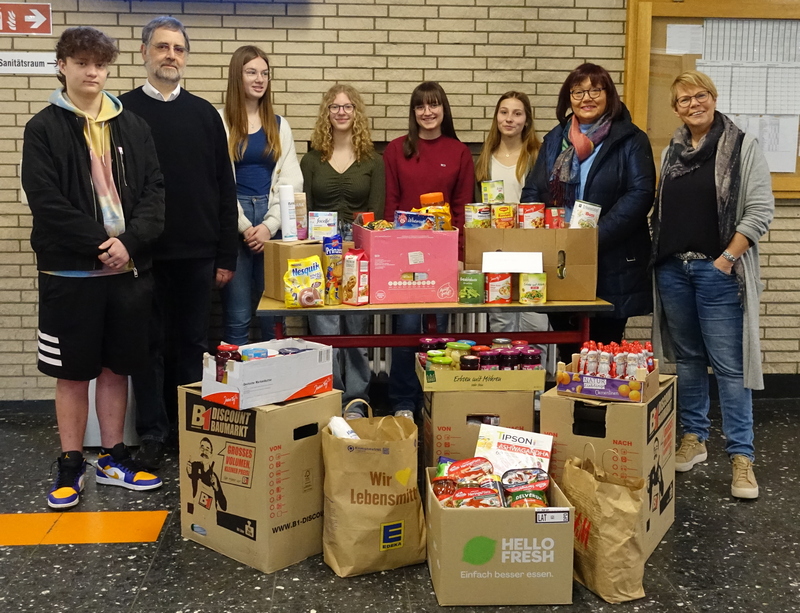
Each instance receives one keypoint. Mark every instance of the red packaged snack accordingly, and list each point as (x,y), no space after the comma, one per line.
(443,489)
(476,497)
(471,470)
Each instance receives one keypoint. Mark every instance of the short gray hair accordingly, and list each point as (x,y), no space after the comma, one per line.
(166,22)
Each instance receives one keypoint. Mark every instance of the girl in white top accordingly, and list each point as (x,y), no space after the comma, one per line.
(508,154)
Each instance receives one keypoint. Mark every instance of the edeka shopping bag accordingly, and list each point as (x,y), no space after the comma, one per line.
(373,513)
(609,559)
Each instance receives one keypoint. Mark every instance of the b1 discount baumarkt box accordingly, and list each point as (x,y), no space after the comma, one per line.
(251,481)
(501,556)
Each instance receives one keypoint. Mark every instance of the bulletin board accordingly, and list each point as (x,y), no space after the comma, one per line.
(649,70)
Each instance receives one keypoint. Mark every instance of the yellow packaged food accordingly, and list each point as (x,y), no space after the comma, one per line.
(304,283)
(441,214)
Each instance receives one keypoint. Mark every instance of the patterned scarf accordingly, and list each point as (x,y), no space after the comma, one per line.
(565,178)
(723,139)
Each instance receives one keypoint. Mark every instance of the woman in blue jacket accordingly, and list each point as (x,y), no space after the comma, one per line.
(596,154)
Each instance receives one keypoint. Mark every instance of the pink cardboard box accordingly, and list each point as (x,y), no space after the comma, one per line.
(410,266)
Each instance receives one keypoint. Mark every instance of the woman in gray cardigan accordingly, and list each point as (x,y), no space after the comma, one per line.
(713,203)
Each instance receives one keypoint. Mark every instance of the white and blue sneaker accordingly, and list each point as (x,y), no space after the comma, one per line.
(118,468)
(67,488)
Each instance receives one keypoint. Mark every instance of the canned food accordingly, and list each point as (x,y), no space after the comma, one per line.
(532,288)
(470,287)
(498,288)
(477,215)
(554,217)
(504,216)
(530,216)
(492,192)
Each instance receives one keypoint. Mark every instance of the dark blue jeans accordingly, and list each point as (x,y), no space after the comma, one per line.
(704,316)
(405,392)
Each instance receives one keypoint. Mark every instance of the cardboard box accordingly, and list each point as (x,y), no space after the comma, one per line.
(410,266)
(276,261)
(641,435)
(571,383)
(251,481)
(446,431)
(259,382)
(501,556)
(480,380)
(569,256)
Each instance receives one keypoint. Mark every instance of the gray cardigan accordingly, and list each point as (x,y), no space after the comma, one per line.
(755,208)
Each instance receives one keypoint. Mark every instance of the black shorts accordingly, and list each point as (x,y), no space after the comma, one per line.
(88,323)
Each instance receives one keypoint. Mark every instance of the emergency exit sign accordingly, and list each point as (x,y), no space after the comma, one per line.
(23,18)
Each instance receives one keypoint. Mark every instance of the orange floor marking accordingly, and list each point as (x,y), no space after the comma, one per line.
(81,528)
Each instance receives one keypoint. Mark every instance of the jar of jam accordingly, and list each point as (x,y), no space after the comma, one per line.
(520,344)
(426,344)
(478,349)
(490,360)
(470,362)
(536,356)
(509,359)
(444,363)
(527,361)
(442,342)
(501,343)
(226,353)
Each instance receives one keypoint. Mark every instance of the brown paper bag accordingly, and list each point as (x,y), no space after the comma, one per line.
(609,559)
(373,512)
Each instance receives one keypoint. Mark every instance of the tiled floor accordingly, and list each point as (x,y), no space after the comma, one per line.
(721,554)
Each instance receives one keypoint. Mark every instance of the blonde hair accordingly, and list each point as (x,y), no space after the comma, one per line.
(530,142)
(692,78)
(235,113)
(322,138)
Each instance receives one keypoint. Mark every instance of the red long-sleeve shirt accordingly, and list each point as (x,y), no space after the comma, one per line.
(444,165)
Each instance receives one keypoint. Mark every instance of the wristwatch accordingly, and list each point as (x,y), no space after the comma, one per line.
(729,256)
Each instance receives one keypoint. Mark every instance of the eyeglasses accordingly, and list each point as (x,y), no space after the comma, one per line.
(685,101)
(594,93)
(420,108)
(178,50)
(252,74)
(347,108)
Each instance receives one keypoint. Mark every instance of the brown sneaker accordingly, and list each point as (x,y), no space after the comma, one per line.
(691,452)
(744,483)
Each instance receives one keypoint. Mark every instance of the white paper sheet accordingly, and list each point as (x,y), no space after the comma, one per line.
(777,135)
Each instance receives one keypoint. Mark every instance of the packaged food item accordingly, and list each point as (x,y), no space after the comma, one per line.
(531,359)
(530,215)
(532,288)
(442,464)
(304,283)
(440,363)
(509,359)
(504,216)
(225,353)
(470,362)
(525,487)
(427,343)
(497,288)
(434,204)
(355,278)
(454,351)
(443,342)
(379,224)
(477,215)
(443,489)
(492,192)
(470,287)
(476,497)
(490,360)
(340,428)
(554,217)
(333,263)
(301,215)
(406,220)
(471,470)
(585,215)
(507,448)
(322,224)
(478,349)
(362,219)
(502,343)
(288,213)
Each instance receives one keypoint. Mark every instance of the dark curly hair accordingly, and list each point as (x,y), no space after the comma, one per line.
(85,40)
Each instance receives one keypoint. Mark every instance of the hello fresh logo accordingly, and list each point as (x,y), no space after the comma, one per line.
(481,550)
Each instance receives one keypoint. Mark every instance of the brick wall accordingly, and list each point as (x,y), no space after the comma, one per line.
(477,49)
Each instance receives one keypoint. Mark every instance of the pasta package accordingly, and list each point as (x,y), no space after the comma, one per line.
(304,283)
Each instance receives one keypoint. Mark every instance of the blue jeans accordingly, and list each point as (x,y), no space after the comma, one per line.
(357,372)
(237,295)
(704,316)
(405,392)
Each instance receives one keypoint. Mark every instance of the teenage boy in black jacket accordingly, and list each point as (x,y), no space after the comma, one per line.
(91,176)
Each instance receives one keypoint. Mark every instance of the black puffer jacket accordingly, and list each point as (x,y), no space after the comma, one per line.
(56,177)
(622,180)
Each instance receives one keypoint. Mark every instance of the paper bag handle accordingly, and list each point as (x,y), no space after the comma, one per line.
(352,402)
